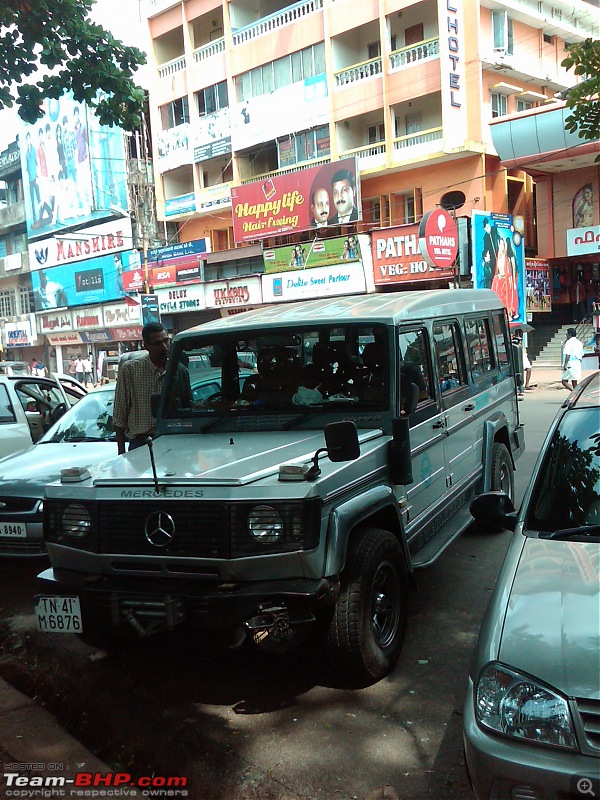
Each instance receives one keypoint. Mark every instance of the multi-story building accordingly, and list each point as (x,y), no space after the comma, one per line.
(246,93)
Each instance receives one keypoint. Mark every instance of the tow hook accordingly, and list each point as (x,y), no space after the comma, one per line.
(277,623)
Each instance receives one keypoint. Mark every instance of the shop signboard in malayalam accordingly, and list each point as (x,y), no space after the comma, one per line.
(89,317)
(581,241)
(282,204)
(398,259)
(233,294)
(67,337)
(99,240)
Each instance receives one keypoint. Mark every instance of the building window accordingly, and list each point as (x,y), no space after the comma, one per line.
(524,105)
(502,28)
(212,99)
(7,303)
(499,104)
(548,38)
(292,68)
(377,133)
(413,123)
(175,113)
(413,35)
(303,146)
(373,50)
(26,300)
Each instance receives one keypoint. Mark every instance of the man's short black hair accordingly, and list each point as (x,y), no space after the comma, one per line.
(571,332)
(150,328)
(344,175)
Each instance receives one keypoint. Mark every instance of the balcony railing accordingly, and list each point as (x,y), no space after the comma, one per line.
(171,67)
(417,138)
(209,50)
(414,53)
(375,149)
(359,72)
(287,16)
(316,162)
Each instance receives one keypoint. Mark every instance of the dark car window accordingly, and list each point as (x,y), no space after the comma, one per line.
(567,493)
(91,418)
(6,410)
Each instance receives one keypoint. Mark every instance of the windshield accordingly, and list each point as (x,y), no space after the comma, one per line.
(567,492)
(278,372)
(89,420)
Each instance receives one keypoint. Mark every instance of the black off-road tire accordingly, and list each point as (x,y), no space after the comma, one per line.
(371,613)
(503,477)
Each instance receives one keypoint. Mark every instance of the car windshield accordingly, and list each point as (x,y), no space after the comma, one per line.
(567,492)
(89,420)
(297,372)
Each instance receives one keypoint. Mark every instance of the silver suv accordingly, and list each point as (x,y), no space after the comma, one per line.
(303,496)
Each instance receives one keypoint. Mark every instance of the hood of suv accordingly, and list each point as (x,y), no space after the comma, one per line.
(552,623)
(218,459)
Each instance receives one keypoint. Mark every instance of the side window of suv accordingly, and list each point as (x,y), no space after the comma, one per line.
(451,366)
(479,346)
(502,346)
(413,347)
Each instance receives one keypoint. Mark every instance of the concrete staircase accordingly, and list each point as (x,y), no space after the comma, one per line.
(551,355)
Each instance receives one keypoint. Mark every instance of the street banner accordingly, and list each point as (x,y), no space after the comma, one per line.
(286,203)
(537,285)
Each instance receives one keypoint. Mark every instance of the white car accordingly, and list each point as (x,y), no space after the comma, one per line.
(29,406)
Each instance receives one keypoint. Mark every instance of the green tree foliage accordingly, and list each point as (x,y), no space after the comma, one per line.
(584,99)
(75,54)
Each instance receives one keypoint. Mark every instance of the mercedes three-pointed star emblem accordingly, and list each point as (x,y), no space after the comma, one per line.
(159,529)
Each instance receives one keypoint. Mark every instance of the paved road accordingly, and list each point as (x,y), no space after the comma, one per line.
(242,725)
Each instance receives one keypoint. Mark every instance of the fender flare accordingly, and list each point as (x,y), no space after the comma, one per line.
(490,433)
(344,518)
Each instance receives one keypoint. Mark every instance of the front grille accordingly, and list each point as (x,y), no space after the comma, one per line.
(201,529)
(17,505)
(589,713)
(22,547)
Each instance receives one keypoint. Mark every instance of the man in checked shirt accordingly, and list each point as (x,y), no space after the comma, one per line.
(137,380)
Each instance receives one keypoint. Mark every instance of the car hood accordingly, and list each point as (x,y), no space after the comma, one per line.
(217,459)
(552,624)
(22,474)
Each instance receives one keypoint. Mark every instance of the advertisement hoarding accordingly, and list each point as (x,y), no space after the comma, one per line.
(96,280)
(318,253)
(74,168)
(499,259)
(284,203)
(233,294)
(211,135)
(109,237)
(397,257)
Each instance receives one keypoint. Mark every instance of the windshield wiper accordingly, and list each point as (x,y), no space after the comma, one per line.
(582,532)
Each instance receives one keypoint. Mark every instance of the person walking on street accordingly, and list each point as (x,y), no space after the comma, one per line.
(87,370)
(72,368)
(137,380)
(79,371)
(572,358)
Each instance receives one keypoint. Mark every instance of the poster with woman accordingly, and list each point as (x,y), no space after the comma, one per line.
(499,259)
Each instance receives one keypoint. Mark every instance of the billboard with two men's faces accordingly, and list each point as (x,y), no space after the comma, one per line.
(311,198)
(499,259)
(74,168)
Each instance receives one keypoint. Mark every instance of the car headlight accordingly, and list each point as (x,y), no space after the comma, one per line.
(516,705)
(75,521)
(265,524)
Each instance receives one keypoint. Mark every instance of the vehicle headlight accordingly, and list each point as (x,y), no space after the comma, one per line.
(75,521)
(265,524)
(516,705)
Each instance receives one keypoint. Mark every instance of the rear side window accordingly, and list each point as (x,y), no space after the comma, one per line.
(452,373)
(415,361)
(502,344)
(479,347)
(6,410)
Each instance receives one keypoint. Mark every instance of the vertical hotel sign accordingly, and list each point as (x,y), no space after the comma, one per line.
(452,64)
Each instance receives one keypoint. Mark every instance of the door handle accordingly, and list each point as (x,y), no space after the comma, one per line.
(441,423)
(470,407)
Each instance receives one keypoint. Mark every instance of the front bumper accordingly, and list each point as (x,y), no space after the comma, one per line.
(198,604)
(30,546)
(504,769)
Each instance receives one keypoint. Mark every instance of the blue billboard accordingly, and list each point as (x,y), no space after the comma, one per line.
(97,280)
(74,168)
(499,259)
